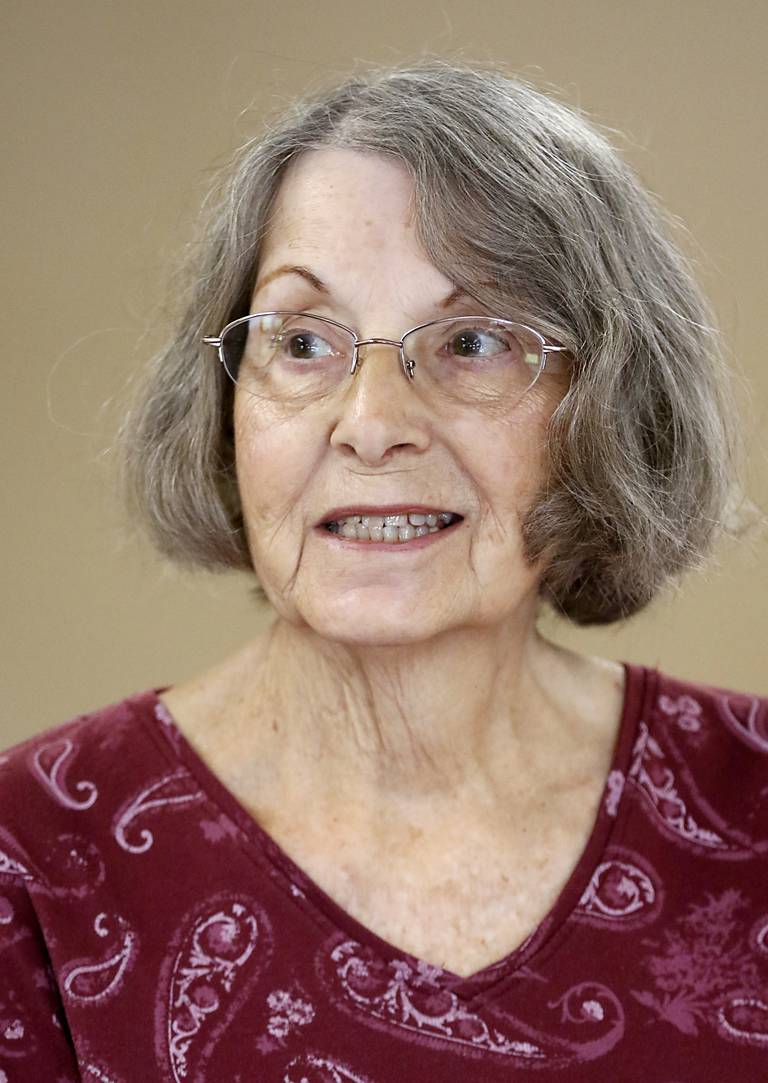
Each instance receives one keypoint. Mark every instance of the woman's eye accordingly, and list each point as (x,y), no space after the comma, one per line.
(304,345)
(476,344)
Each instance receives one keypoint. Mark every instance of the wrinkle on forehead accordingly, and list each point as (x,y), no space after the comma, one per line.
(348,217)
(318,174)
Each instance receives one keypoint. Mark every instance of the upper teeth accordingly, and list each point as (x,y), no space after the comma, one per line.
(390,528)
(412,517)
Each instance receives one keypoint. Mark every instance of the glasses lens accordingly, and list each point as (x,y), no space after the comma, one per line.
(476,360)
(287,356)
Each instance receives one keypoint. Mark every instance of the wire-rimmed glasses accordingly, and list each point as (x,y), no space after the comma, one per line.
(299,357)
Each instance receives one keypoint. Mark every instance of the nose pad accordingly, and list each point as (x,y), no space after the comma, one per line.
(406,364)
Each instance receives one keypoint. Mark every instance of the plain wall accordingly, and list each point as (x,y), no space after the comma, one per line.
(118,114)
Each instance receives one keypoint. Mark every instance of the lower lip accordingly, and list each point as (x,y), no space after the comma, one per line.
(387,547)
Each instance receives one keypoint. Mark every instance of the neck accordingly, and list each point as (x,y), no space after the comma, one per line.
(467,714)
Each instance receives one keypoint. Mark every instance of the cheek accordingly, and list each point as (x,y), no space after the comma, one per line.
(510,463)
(273,464)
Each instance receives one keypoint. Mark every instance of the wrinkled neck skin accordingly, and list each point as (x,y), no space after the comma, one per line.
(473,716)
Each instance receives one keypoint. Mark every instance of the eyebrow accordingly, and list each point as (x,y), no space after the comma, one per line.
(320,286)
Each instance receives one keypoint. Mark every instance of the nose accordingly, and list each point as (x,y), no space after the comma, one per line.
(380,418)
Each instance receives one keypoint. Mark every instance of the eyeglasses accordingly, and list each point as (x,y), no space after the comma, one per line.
(298,358)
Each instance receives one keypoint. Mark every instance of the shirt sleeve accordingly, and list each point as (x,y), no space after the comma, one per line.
(34,1038)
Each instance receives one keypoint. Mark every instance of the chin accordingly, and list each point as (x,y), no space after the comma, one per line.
(375,618)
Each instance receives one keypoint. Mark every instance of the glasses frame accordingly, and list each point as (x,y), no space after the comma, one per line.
(408,366)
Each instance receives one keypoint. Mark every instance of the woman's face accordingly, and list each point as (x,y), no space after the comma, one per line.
(376,444)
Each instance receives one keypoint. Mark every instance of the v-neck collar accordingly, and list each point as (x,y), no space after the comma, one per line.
(638,689)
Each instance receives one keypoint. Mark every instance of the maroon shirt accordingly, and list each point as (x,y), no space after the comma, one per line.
(151,930)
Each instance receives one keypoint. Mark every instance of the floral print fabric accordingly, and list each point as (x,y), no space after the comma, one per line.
(150,930)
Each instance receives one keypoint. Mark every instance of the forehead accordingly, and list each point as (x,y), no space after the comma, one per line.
(330,185)
(348,216)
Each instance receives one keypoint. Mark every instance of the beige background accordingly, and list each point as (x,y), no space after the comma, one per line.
(120,110)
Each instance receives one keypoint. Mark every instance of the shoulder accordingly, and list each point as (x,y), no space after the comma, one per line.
(701,757)
(696,707)
(54,784)
(95,736)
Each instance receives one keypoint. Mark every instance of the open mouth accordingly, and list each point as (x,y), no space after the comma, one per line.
(392,529)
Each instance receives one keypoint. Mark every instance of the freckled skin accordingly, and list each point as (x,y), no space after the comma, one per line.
(460,893)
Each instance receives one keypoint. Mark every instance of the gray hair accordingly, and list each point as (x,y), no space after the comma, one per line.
(526,206)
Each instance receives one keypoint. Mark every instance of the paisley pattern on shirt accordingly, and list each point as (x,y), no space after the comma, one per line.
(214,962)
(681,811)
(624,891)
(396,994)
(310,1068)
(94,979)
(51,764)
(174,789)
(747,718)
(137,898)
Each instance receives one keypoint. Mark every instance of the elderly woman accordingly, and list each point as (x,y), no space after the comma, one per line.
(441,363)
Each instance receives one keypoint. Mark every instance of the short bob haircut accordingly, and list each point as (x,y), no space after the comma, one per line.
(526,206)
